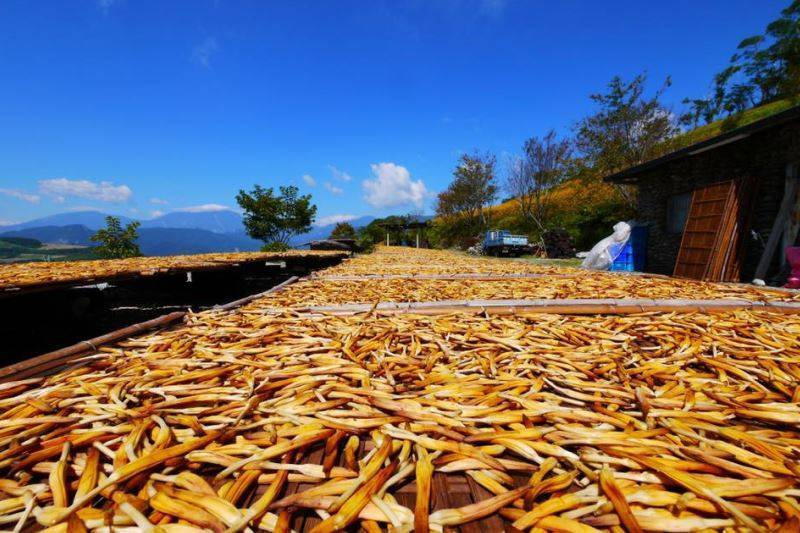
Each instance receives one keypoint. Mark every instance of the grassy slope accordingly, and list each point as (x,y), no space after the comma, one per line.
(718,127)
(573,194)
(15,252)
(565,196)
(566,193)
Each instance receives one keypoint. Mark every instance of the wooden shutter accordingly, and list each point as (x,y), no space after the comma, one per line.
(706,216)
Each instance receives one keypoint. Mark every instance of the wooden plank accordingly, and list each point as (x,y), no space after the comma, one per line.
(308,519)
(732,268)
(705,217)
(723,236)
(492,522)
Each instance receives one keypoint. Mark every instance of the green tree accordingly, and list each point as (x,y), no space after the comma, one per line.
(764,68)
(373,232)
(545,163)
(115,241)
(276,218)
(471,192)
(343,230)
(628,128)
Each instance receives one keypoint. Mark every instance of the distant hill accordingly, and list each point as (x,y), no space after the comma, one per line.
(171,241)
(13,249)
(71,234)
(93,220)
(152,241)
(179,232)
(21,241)
(223,221)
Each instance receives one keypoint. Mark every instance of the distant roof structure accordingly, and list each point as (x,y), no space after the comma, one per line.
(716,140)
(414,224)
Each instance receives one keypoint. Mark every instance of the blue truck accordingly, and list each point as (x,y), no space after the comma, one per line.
(502,242)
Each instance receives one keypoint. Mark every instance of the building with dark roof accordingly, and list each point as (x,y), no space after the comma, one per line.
(764,153)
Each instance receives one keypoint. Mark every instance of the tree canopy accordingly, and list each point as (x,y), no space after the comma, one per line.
(628,128)
(545,162)
(472,190)
(343,230)
(276,218)
(765,68)
(115,241)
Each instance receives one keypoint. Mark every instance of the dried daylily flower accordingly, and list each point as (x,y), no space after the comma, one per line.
(274,418)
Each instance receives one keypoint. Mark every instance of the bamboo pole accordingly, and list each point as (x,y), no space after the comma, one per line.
(241,301)
(558,306)
(41,364)
(477,277)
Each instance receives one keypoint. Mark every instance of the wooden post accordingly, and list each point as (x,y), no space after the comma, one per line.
(387,237)
(790,228)
(785,211)
(417,238)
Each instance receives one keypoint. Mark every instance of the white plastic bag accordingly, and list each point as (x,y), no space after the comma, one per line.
(604,252)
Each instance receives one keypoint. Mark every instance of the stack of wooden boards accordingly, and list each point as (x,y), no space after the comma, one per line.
(719,217)
(278,419)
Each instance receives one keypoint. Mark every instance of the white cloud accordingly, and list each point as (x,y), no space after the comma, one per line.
(334,219)
(392,186)
(333,188)
(203,52)
(158,201)
(340,175)
(156,213)
(6,222)
(309,180)
(62,188)
(204,208)
(133,210)
(21,195)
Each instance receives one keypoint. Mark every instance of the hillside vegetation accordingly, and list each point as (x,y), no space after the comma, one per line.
(555,182)
(26,249)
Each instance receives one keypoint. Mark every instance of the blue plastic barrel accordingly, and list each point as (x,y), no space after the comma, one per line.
(633,254)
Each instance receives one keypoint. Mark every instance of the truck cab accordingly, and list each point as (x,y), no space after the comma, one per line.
(502,242)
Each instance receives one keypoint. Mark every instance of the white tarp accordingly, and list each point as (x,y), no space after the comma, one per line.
(604,252)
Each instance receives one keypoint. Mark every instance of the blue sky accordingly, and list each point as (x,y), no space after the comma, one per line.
(137,107)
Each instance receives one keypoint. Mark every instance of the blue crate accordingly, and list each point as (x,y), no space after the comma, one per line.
(624,261)
(633,254)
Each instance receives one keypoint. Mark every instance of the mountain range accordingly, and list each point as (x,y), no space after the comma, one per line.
(178,232)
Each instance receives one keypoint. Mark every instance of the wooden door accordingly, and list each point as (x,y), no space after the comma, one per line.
(706,216)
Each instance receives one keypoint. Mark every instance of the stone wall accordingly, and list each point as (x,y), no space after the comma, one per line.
(763,155)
